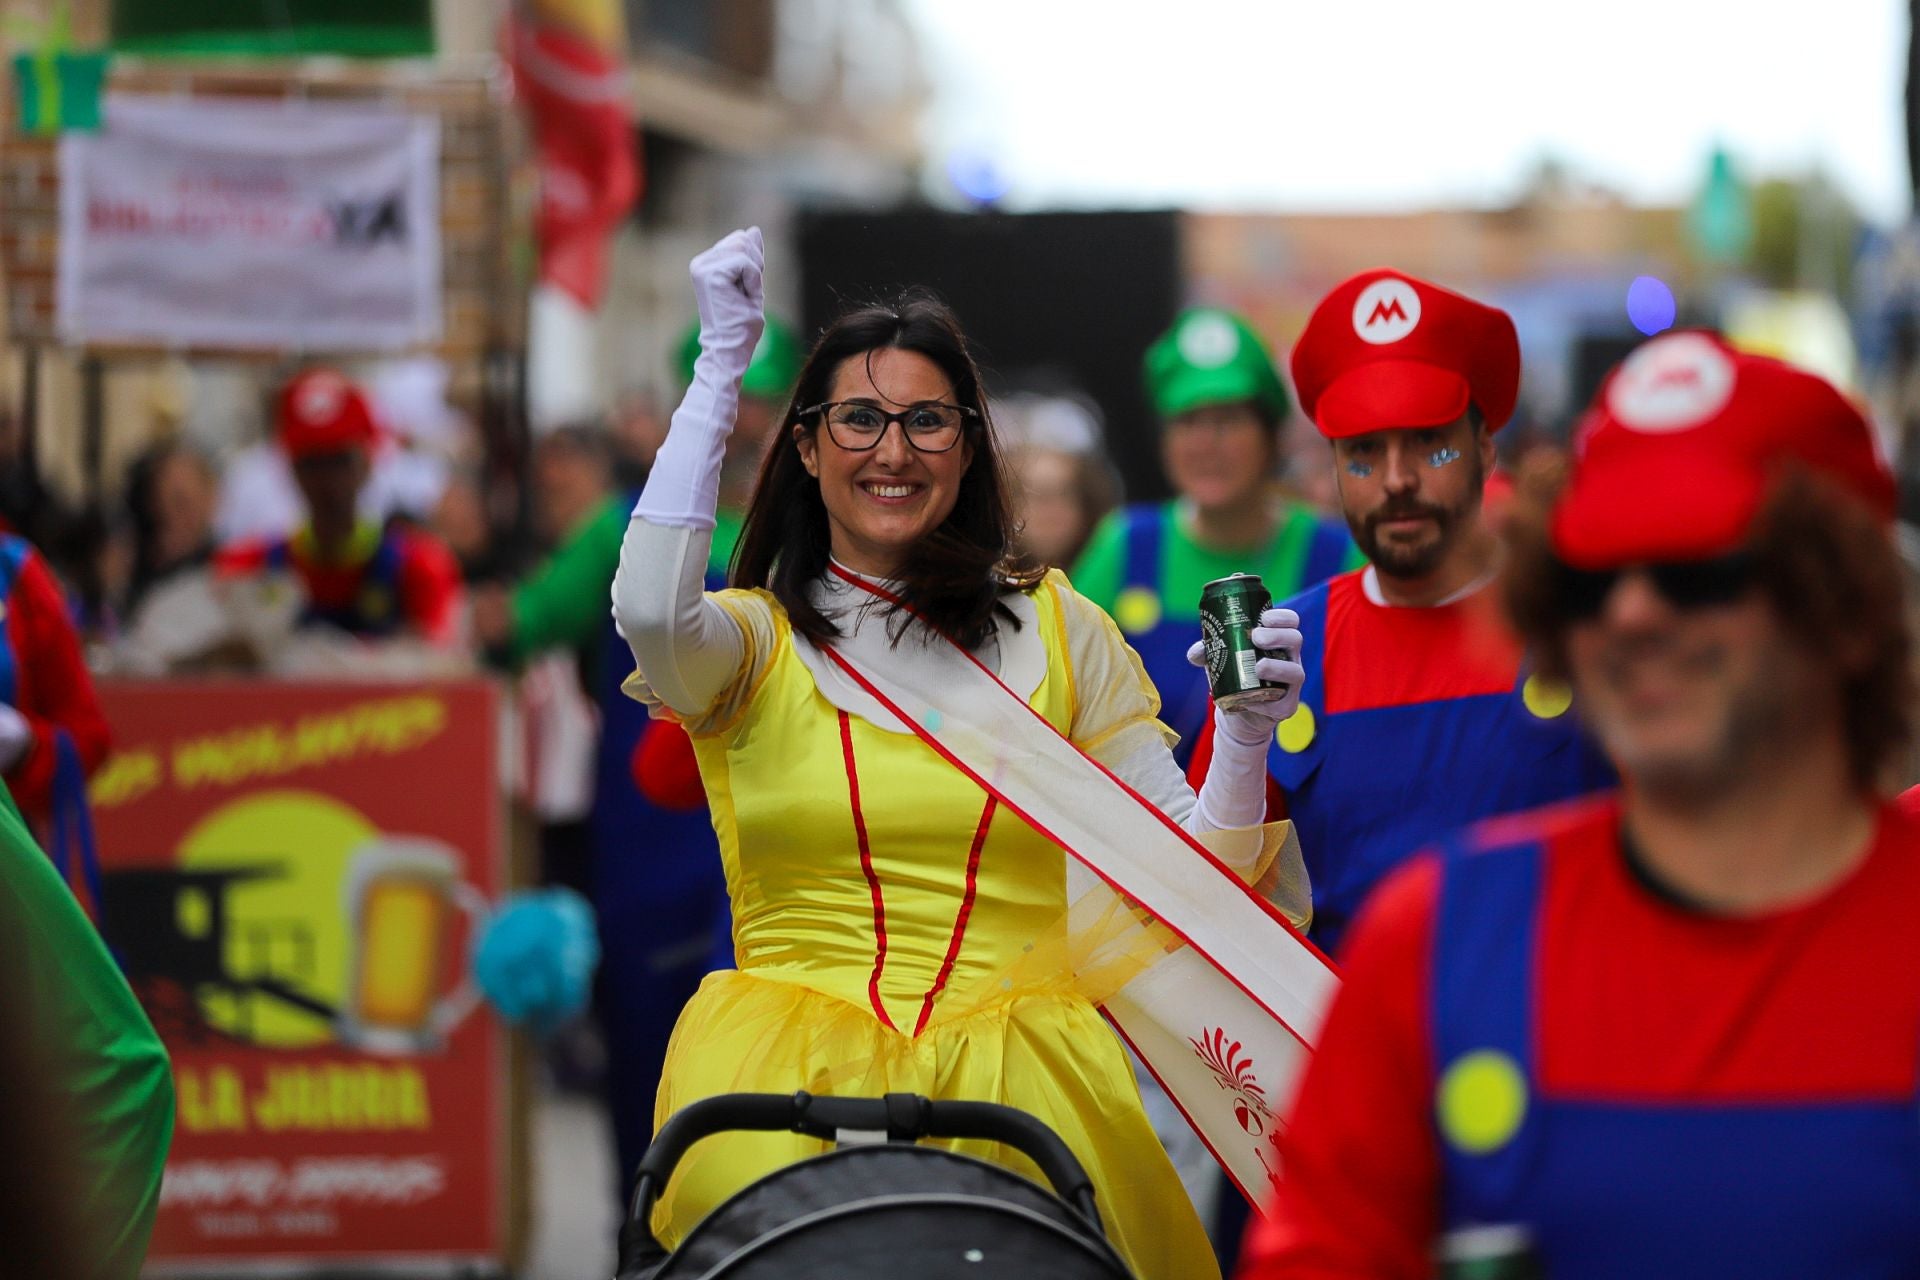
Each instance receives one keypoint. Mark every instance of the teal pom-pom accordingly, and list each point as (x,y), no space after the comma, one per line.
(535,959)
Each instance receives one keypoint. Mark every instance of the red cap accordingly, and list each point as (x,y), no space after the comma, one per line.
(1385,350)
(322,412)
(1675,457)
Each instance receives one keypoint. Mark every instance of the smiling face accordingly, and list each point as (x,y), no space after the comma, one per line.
(1411,495)
(1683,699)
(881,501)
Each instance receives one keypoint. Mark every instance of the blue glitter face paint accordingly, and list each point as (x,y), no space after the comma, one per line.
(1442,456)
(1360,469)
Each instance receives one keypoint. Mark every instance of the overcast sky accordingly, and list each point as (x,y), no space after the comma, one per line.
(1383,104)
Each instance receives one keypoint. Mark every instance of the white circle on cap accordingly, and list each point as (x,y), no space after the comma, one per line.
(1208,340)
(320,397)
(1386,311)
(1671,384)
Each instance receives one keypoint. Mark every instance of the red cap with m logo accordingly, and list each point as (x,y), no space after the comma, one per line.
(1387,350)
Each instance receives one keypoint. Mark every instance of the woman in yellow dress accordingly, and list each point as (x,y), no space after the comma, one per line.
(896,929)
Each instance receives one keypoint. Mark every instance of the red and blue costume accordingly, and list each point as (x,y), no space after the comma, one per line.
(392,581)
(1413,722)
(385,581)
(43,677)
(1644,1087)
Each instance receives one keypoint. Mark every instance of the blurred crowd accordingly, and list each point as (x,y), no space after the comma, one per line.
(153,574)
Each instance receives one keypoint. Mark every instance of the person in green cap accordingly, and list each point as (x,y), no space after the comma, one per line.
(87,1110)
(654,875)
(1222,407)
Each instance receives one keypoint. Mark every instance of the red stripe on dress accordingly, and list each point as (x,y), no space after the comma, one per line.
(960,919)
(873,881)
(1152,811)
(1041,829)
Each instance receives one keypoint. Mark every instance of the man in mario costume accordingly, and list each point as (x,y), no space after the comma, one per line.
(359,578)
(1421,714)
(1677,1032)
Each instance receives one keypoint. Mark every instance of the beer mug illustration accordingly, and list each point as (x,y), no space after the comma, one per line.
(402,894)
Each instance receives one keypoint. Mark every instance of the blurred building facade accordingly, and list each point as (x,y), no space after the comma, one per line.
(1558,260)
(744,111)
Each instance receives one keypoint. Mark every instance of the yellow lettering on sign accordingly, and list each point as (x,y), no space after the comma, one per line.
(210,1101)
(342,1097)
(384,726)
(124,778)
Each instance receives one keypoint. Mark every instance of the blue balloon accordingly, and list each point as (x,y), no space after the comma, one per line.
(1650,305)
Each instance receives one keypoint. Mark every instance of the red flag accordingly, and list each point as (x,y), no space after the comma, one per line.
(576,98)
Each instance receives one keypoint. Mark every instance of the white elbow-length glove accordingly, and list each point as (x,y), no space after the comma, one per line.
(1235,792)
(683,488)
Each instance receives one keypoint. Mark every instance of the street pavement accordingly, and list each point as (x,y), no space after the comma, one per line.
(574,1214)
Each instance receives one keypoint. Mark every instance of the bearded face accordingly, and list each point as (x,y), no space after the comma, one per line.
(1410,495)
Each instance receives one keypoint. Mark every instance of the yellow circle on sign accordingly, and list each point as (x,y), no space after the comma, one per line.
(1546,698)
(278,861)
(1296,731)
(1481,1101)
(1137,610)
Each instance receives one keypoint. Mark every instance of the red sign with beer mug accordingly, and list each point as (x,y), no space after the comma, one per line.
(293,877)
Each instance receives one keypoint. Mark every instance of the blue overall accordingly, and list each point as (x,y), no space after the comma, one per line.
(14,551)
(70,837)
(1627,1188)
(375,609)
(660,893)
(1375,786)
(1184,702)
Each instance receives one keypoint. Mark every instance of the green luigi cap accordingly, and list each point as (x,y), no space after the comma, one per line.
(772,372)
(1211,356)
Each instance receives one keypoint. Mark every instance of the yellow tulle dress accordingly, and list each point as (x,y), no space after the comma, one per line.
(896,931)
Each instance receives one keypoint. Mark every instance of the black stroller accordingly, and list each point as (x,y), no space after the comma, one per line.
(876,1205)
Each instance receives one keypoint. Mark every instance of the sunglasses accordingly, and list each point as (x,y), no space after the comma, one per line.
(1683,584)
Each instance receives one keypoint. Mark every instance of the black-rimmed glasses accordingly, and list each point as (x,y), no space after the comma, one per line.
(931,426)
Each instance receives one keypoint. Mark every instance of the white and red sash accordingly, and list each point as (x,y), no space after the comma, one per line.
(1226,1012)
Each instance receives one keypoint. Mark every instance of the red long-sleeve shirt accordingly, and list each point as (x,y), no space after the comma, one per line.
(52,688)
(1636,999)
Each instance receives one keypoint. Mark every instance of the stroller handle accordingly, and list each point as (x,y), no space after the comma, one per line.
(904,1117)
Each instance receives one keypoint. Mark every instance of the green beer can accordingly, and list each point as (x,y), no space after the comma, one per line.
(1230,609)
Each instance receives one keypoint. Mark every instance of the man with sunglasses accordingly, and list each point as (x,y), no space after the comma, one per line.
(1421,714)
(1677,1032)
(1222,408)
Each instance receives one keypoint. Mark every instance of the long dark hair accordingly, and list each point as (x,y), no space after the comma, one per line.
(954,576)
